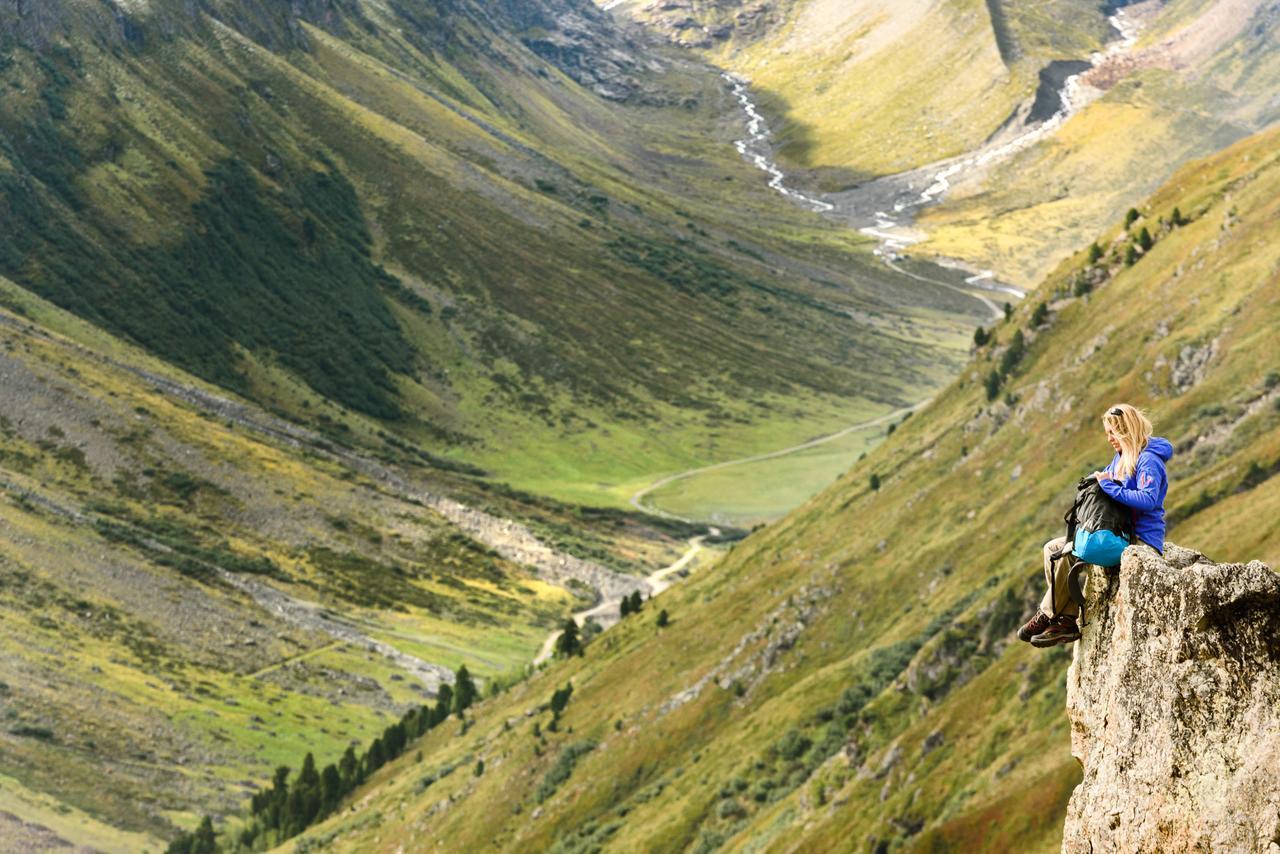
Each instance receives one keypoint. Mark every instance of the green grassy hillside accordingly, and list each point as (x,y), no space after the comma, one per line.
(193,592)
(521,242)
(850,673)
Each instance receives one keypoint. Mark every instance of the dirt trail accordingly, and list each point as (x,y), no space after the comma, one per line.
(314,617)
(637,500)
(606,613)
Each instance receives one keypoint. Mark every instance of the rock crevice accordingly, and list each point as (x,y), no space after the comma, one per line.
(1174,701)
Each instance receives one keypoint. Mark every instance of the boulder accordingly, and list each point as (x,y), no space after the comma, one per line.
(1174,702)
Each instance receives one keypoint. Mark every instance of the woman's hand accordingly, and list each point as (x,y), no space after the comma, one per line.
(1103,475)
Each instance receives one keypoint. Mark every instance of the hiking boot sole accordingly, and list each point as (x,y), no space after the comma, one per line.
(1042,642)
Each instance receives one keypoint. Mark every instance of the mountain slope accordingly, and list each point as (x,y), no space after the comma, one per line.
(441,219)
(188,584)
(1200,77)
(872,88)
(850,673)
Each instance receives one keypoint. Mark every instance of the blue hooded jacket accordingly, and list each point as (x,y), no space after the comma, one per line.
(1144,491)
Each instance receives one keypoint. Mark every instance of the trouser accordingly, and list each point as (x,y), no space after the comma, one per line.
(1057,599)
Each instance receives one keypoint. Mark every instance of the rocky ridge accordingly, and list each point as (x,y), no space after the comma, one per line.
(1174,701)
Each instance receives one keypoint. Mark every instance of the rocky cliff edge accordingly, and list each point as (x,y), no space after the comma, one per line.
(1174,701)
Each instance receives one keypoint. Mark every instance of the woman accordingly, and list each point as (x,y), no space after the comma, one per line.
(1136,478)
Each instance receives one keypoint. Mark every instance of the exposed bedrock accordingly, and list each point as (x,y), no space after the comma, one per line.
(1174,700)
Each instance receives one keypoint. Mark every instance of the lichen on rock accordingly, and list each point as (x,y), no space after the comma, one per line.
(1174,701)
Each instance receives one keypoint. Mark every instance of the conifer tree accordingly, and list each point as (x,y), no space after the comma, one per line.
(560,698)
(874,482)
(306,794)
(980,337)
(464,691)
(444,702)
(331,789)
(1144,239)
(1013,355)
(375,757)
(568,643)
(279,795)
(663,619)
(1131,256)
(1131,216)
(993,385)
(349,769)
(204,841)
(1095,253)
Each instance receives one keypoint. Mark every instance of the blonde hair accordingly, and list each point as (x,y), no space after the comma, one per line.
(1132,429)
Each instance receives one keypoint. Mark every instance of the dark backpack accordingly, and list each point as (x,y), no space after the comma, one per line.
(1098,528)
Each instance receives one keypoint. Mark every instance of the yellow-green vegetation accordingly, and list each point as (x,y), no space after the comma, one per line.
(1193,94)
(193,593)
(391,221)
(64,822)
(876,102)
(851,673)
(881,87)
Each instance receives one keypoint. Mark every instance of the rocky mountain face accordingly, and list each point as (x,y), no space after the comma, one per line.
(704,23)
(1174,700)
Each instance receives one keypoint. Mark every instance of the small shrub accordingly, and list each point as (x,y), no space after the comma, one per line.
(562,768)
(793,745)
(992,385)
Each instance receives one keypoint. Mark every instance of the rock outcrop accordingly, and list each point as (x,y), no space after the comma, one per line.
(1174,700)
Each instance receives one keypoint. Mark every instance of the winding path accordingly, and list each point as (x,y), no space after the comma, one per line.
(606,613)
(996,311)
(637,500)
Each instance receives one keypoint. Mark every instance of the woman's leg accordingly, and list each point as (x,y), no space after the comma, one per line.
(1057,598)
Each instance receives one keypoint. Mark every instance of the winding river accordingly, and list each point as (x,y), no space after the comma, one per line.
(885,207)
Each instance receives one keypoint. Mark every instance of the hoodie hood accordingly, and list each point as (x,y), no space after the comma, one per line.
(1160,447)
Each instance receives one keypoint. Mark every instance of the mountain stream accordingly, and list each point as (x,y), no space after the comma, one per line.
(885,207)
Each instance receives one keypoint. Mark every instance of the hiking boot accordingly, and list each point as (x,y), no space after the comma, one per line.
(1061,630)
(1034,626)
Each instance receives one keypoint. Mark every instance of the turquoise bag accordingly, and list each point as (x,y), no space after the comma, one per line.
(1100,548)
